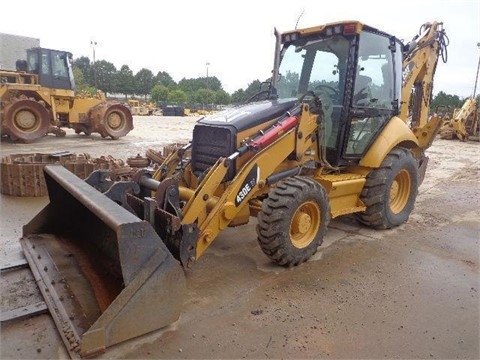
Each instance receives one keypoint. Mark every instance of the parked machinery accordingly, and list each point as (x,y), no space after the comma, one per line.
(39,98)
(332,135)
(464,122)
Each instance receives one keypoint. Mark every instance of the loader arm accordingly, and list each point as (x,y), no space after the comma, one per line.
(262,169)
(249,180)
(419,65)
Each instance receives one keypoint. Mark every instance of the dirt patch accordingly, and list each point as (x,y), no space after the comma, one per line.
(366,294)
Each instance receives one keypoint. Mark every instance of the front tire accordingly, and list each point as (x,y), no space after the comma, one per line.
(390,191)
(26,120)
(293,221)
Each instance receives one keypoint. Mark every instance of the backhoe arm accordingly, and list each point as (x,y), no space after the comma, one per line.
(419,65)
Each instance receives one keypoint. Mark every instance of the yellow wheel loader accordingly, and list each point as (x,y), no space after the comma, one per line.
(333,135)
(39,98)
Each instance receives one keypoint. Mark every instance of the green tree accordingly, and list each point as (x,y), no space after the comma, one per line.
(177,97)
(106,76)
(79,77)
(188,85)
(81,86)
(144,82)
(222,97)
(212,83)
(83,63)
(164,78)
(238,97)
(204,96)
(125,81)
(192,85)
(446,101)
(289,84)
(159,93)
(253,88)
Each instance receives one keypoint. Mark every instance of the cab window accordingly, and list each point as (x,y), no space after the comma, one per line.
(374,78)
(45,64)
(59,64)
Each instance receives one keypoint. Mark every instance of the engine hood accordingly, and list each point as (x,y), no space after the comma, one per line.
(246,116)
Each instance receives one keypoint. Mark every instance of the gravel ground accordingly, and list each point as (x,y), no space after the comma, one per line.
(409,292)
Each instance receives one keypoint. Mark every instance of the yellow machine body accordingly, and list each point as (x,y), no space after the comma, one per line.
(39,98)
(314,146)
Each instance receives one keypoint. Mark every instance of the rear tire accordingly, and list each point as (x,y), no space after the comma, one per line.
(117,122)
(390,191)
(293,221)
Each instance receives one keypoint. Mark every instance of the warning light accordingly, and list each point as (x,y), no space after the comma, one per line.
(349,29)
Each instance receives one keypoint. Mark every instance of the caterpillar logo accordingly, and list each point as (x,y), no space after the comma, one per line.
(250,181)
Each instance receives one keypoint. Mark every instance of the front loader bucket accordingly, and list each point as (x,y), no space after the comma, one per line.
(105,274)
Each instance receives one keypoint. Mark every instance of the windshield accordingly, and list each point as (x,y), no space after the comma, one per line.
(316,64)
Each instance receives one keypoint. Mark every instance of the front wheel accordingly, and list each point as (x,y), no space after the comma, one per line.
(293,221)
(390,191)
(26,120)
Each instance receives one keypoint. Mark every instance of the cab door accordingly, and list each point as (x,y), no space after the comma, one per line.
(376,93)
(60,70)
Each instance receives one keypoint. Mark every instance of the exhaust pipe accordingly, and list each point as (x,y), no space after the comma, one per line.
(105,274)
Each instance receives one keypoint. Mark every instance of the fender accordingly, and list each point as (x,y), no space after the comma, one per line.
(394,133)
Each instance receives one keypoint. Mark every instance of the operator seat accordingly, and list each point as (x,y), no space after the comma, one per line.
(362,93)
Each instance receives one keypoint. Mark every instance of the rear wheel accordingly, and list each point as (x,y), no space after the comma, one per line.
(293,221)
(390,191)
(117,121)
(26,120)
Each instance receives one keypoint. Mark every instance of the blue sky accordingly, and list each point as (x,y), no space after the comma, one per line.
(235,38)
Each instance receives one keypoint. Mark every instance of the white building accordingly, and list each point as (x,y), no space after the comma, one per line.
(13,48)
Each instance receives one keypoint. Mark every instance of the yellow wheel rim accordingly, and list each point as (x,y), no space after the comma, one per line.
(305,224)
(26,120)
(400,191)
(114,120)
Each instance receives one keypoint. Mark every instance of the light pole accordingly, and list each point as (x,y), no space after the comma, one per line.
(476,78)
(207,64)
(94,43)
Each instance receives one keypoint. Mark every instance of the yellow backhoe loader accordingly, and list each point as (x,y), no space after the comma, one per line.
(463,124)
(332,135)
(39,98)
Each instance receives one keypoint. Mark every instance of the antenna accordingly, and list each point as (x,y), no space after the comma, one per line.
(476,78)
(298,19)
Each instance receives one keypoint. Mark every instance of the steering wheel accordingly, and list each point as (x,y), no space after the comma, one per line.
(336,93)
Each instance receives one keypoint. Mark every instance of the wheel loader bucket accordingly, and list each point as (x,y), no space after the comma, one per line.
(105,274)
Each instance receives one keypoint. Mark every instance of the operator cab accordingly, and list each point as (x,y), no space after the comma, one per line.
(53,67)
(356,72)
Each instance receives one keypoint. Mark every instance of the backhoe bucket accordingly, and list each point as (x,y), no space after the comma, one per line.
(105,274)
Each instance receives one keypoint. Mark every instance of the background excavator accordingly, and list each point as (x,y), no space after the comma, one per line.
(463,124)
(39,98)
(342,129)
